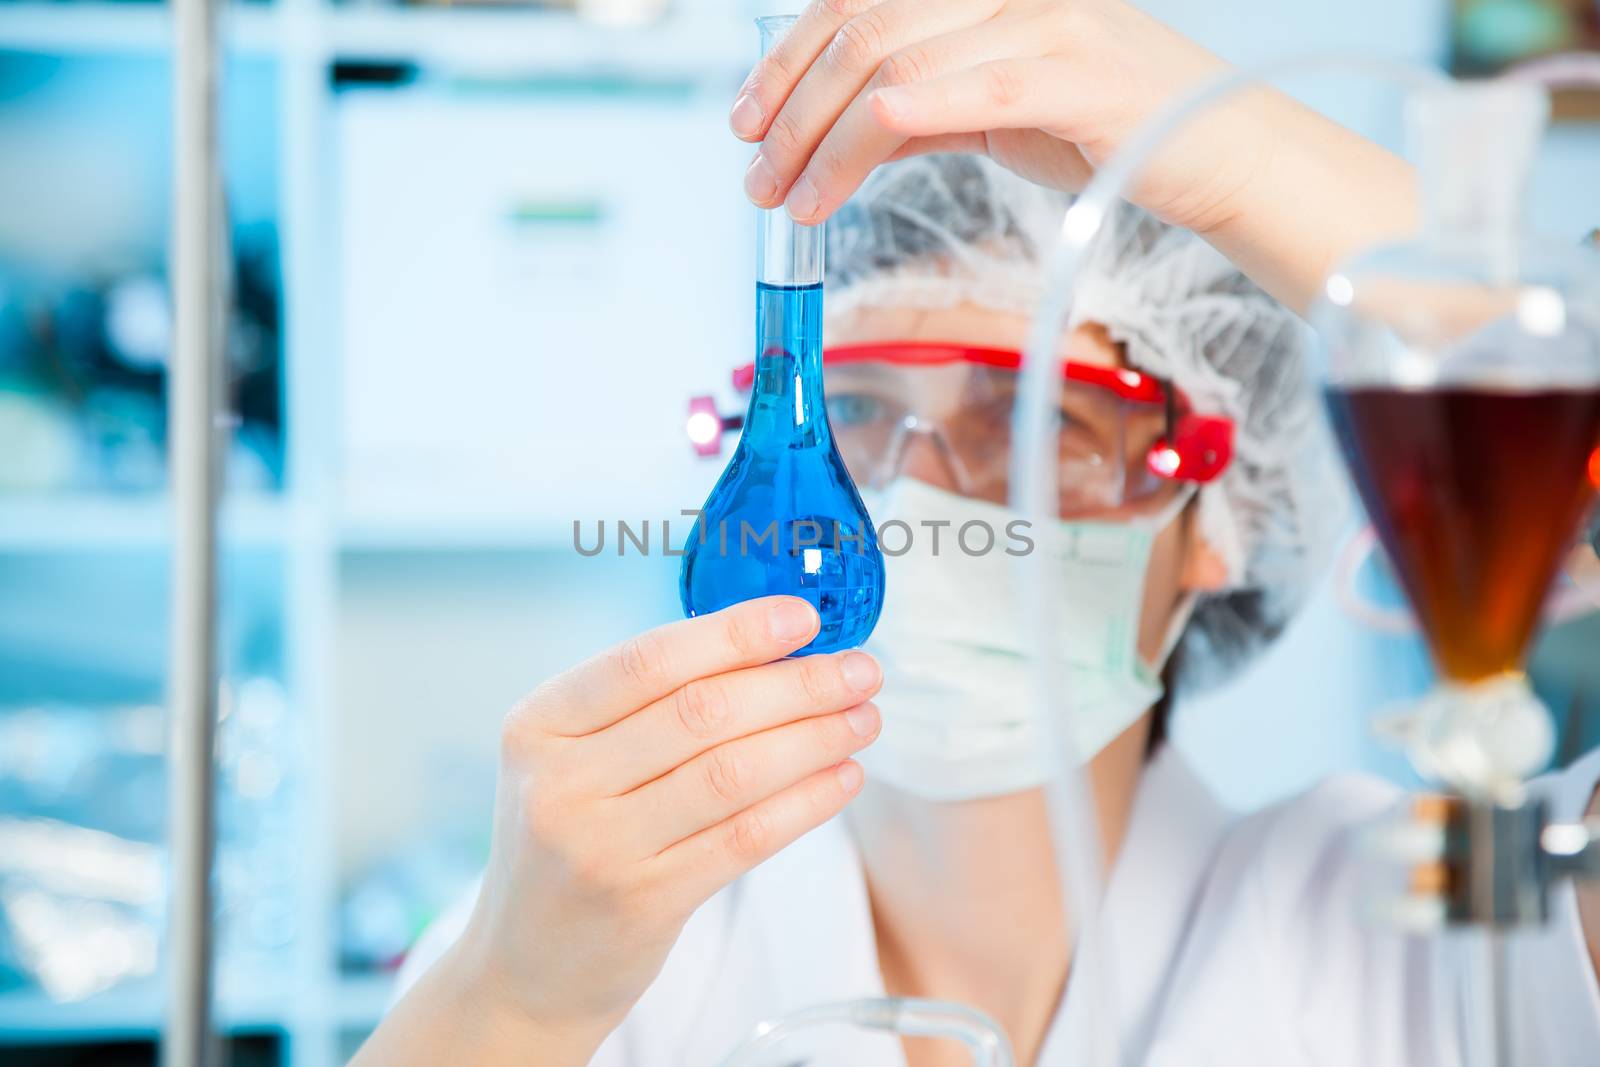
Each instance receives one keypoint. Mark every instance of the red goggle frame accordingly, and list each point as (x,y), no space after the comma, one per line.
(1195,448)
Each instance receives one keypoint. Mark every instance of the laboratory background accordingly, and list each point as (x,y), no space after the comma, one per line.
(481,257)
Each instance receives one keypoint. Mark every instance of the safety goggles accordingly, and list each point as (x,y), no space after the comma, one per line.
(1126,441)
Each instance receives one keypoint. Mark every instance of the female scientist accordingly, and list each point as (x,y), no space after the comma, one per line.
(664,871)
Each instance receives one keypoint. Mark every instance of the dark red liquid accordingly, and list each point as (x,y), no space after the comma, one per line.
(1475,495)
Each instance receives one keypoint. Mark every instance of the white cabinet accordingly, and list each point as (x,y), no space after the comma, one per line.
(531,283)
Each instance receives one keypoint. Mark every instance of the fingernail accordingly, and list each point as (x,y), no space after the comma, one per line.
(863,720)
(803,201)
(850,775)
(791,620)
(860,670)
(892,102)
(745,118)
(760,181)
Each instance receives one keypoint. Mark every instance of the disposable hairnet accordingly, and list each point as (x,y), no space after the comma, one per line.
(940,230)
(934,231)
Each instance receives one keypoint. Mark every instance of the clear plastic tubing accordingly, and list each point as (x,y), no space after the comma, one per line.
(1073,819)
(906,1016)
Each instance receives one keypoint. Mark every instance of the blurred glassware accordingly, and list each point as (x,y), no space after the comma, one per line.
(1489,35)
(1446,354)
(123,430)
(81,829)
(623,13)
(138,322)
(38,441)
(390,902)
(83,369)
(388,907)
(79,908)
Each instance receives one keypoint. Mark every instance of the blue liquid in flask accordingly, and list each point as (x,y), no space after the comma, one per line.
(785,516)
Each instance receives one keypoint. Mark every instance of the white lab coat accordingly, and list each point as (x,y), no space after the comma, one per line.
(1236,942)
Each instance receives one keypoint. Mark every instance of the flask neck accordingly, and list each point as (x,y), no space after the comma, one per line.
(786,252)
(786,402)
(1475,145)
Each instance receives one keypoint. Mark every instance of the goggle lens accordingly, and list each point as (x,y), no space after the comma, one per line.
(1127,442)
(952,423)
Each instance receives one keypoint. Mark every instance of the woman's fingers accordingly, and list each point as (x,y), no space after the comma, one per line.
(723,781)
(858,140)
(623,679)
(704,863)
(776,74)
(945,143)
(712,711)
(882,40)
(1000,94)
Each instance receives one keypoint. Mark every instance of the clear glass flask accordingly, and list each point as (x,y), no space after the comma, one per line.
(1463,384)
(785,516)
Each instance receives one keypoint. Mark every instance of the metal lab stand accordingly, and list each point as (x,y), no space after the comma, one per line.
(194,388)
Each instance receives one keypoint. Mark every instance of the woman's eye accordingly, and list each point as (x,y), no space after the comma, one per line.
(853,409)
(1071,424)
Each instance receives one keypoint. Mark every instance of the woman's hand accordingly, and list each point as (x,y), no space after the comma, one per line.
(1051,89)
(631,789)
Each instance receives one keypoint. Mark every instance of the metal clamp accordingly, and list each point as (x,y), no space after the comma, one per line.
(1492,862)
(1573,848)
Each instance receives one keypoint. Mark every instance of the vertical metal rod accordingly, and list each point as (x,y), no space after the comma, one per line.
(193,389)
(1486,1033)
(1505,1045)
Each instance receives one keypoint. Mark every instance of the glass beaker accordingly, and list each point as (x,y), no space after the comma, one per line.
(1463,383)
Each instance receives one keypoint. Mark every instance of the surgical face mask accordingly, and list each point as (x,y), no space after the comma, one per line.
(958,701)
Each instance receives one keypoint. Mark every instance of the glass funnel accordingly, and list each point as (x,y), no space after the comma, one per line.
(1463,383)
(784,516)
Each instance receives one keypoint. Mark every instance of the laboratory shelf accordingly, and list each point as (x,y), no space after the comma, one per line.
(483,534)
(452,527)
(327,524)
(29,1017)
(468,40)
(518,40)
(73,522)
(95,28)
